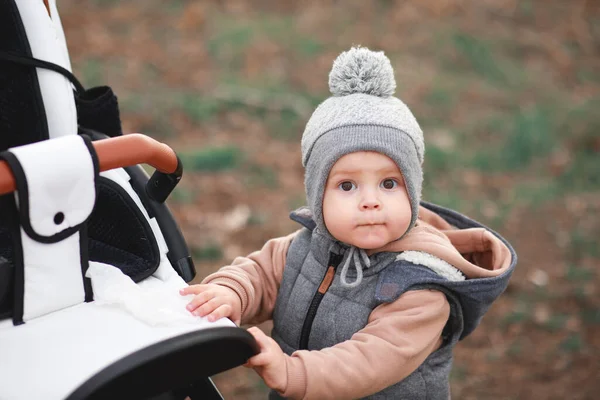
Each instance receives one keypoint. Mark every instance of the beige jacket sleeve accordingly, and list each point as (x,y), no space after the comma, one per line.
(256,278)
(398,337)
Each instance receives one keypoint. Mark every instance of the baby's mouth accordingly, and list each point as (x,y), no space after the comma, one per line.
(372,224)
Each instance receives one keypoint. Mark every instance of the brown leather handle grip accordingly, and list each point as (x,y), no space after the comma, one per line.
(117,152)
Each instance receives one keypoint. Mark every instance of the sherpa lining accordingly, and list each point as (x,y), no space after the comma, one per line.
(437,265)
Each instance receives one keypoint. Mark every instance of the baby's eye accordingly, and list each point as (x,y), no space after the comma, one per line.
(347,186)
(389,184)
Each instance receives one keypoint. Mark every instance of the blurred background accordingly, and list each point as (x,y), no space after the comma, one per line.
(506,91)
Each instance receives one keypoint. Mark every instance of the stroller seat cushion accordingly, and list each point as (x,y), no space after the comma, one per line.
(64,349)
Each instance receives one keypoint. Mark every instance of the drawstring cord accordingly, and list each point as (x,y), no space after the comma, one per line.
(353,254)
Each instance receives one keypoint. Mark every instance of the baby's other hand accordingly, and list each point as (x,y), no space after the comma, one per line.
(270,363)
(214,302)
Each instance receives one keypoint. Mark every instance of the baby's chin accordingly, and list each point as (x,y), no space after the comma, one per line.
(369,241)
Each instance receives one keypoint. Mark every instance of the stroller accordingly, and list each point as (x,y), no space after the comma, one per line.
(86,240)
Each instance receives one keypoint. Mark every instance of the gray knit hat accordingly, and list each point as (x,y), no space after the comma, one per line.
(362,115)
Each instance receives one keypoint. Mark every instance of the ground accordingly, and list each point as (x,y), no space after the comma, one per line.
(506,91)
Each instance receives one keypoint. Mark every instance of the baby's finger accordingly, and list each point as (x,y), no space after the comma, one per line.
(199,300)
(257,361)
(192,289)
(207,307)
(260,337)
(221,311)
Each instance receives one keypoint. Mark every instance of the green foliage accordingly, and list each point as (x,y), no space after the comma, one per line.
(198,108)
(92,73)
(308,46)
(583,173)
(448,198)
(182,195)
(574,343)
(438,160)
(516,317)
(285,125)
(515,348)
(479,54)
(212,159)
(556,322)
(231,36)
(591,316)
(583,244)
(529,136)
(209,252)
(259,175)
(257,219)
(296,202)
(458,373)
(577,274)
(439,97)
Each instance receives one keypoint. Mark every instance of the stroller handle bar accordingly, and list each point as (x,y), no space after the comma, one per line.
(125,151)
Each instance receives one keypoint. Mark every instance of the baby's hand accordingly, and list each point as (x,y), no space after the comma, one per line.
(270,362)
(214,302)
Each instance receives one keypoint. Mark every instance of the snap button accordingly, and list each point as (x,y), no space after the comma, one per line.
(59,218)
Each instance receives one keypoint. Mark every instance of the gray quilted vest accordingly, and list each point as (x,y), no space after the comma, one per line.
(308,318)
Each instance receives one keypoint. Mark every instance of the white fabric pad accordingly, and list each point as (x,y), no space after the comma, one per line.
(60,179)
(153,301)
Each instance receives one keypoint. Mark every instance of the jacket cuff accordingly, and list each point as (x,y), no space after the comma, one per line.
(296,378)
(233,285)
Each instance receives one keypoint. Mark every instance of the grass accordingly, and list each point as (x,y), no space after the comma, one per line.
(577,274)
(517,317)
(574,343)
(261,176)
(197,107)
(479,54)
(91,72)
(208,252)
(212,159)
(528,137)
(556,322)
(591,316)
(516,348)
(583,244)
(182,195)
(458,373)
(257,219)
(230,37)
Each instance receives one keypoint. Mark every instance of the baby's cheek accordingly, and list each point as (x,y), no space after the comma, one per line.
(337,221)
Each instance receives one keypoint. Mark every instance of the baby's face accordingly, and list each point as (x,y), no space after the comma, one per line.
(365,203)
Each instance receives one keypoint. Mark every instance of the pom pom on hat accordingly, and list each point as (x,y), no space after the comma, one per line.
(360,70)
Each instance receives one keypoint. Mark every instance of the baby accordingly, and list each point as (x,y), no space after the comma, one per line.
(370,296)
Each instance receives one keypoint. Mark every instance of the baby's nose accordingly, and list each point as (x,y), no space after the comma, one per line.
(370,205)
(370,202)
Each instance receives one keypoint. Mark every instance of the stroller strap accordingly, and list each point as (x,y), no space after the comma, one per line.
(37,63)
(97,107)
(56,193)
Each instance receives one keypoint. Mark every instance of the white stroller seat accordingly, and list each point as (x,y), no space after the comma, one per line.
(98,350)
(52,356)
(56,342)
